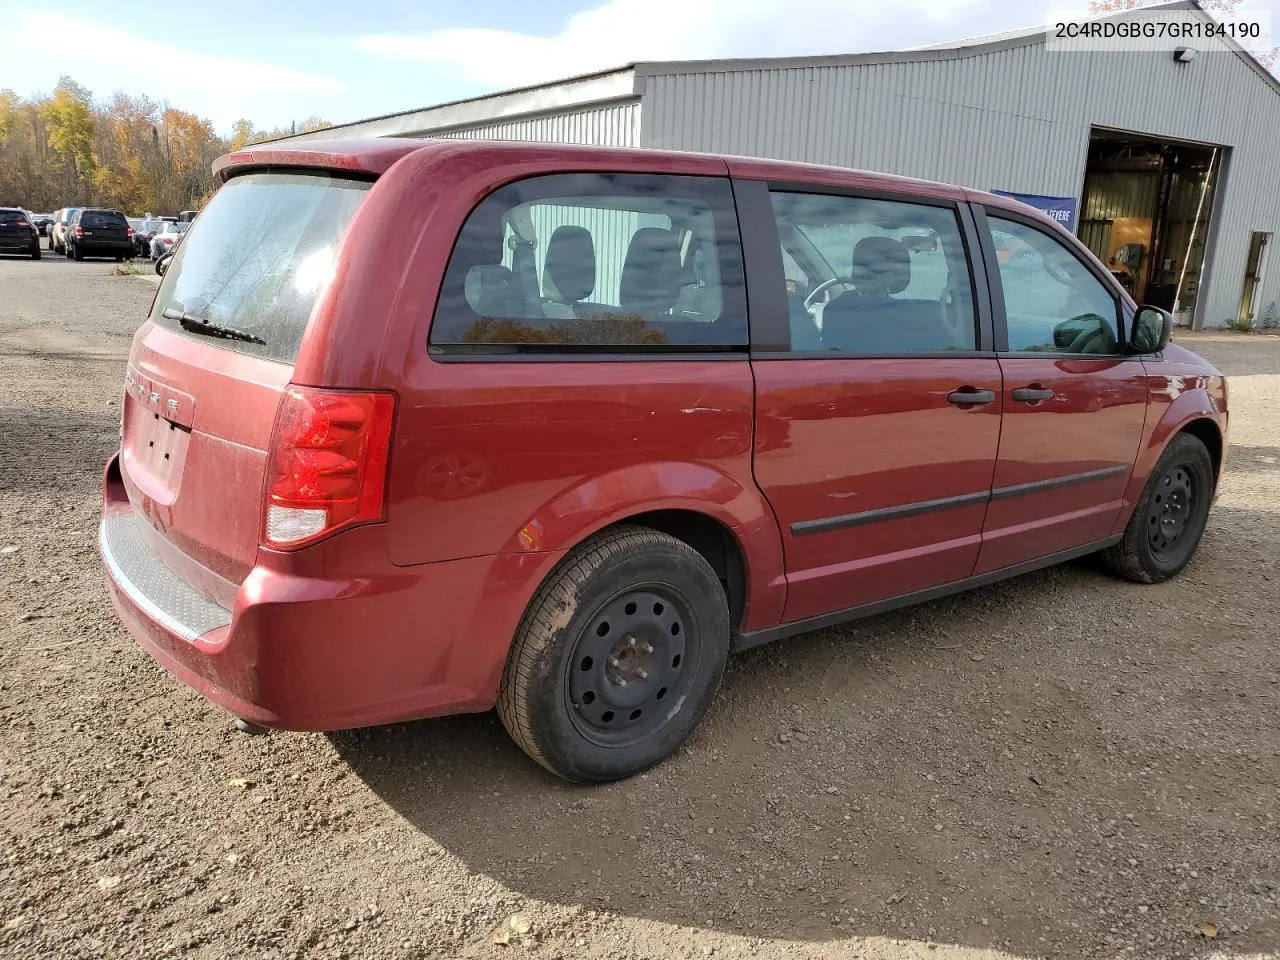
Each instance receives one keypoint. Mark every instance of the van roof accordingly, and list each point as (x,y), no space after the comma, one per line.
(375,156)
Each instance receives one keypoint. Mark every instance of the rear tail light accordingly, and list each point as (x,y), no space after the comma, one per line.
(24,223)
(130,229)
(328,463)
(79,231)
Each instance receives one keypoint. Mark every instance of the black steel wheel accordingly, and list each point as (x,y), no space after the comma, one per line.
(636,657)
(1169,518)
(618,656)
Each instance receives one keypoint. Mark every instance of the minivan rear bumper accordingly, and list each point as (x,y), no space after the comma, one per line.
(328,638)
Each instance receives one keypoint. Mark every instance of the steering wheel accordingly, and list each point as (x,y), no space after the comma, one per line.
(823,287)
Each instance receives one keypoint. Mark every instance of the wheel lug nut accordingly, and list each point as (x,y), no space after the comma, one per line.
(621,681)
(644,674)
(647,647)
(631,640)
(613,661)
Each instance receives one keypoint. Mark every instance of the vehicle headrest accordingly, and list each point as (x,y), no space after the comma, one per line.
(651,273)
(570,264)
(881,266)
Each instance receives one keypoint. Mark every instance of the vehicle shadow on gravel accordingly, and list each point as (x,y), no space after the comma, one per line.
(54,448)
(1253,459)
(1057,759)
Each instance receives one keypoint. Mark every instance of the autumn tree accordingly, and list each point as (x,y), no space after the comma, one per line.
(69,124)
(130,153)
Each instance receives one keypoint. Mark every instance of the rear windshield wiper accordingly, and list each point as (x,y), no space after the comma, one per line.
(196,324)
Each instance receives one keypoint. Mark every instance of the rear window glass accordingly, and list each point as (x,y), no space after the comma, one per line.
(255,262)
(9,218)
(100,218)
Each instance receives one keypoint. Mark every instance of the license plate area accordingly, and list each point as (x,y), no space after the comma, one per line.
(156,435)
(166,448)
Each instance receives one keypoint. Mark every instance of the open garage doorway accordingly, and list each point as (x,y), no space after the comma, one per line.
(1146,208)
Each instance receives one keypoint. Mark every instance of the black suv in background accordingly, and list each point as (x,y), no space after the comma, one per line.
(95,232)
(18,234)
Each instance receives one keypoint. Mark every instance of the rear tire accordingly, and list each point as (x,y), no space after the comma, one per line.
(76,252)
(35,252)
(618,656)
(1169,518)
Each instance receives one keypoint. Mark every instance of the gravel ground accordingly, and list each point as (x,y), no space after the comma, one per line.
(1062,765)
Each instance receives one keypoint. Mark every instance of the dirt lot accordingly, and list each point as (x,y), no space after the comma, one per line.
(1063,765)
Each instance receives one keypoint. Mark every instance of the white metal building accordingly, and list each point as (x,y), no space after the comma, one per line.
(1172,167)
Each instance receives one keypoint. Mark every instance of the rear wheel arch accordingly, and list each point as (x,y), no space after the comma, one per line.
(713,540)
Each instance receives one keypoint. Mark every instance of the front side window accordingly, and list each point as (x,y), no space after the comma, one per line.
(1053,303)
(873,276)
(586,261)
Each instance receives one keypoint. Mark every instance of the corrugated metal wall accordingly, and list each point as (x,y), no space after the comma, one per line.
(611,124)
(1014,118)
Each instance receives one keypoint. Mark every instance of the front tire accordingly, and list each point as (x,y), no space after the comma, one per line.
(1170,516)
(618,656)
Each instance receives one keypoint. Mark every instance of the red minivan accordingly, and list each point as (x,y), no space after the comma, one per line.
(555,429)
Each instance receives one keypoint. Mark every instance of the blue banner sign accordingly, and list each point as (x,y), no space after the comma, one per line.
(1062,209)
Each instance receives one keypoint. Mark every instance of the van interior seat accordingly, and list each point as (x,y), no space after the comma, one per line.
(651,273)
(569,272)
(490,290)
(867,319)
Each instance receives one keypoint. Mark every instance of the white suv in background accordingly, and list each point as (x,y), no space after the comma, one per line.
(58,229)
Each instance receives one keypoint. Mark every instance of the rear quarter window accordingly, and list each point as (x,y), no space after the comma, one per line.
(632,263)
(258,257)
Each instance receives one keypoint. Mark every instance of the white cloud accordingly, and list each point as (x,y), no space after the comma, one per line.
(97,44)
(620,31)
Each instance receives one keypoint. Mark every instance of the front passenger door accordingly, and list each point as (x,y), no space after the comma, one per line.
(1074,402)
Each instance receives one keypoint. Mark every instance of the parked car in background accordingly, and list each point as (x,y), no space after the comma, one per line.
(567,484)
(98,232)
(145,232)
(58,230)
(18,234)
(164,241)
(41,221)
(187,216)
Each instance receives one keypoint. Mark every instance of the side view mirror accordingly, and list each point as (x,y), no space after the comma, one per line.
(163,263)
(1152,327)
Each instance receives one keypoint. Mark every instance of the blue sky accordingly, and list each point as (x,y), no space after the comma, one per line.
(274,61)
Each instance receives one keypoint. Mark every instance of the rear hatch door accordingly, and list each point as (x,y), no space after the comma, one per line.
(207,370)
(101,226)
(13,228)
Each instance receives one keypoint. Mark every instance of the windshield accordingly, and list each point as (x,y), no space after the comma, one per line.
(263,249)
